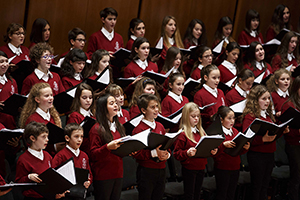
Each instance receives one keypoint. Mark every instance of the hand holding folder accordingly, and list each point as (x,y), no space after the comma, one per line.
(206,144)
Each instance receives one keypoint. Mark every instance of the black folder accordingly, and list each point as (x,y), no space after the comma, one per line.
(154,140)
(56,134)
(206,144)
(131,124)
(124,82)
(87,123)
(23,69)
(288,114)
(54,68)
(63,101)
(79,191)
(176,113)
(7,134)
(296,72)
(95,84)
(12,104)
(190,86)
(189,52)
(160,78)
(120,56)
(167,123)
(155,51)
(215,128)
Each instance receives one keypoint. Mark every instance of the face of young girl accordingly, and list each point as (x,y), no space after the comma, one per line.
(3,65)
(150,89)
(264,101)
(18,37)
(229,120)
(254,24)
(103,63)
(286,15)
(143,51)
(86,99)
(227,30)
(170,28)
(177,61)
(45,61)
(284,82)
(78,66)
(213,79)
(194,117)
(177,86)
(40,142)
(112,107)
(259,53)
(46,33)
(233,55)
(206,58)
(197,31)
(292,44)
(246,85)
(139,30)
(45,100)
(120,99)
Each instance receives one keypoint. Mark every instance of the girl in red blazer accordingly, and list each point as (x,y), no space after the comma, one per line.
(209,93)
(278,85)
(287,53)
(107,168)
(251,31)
(230,67)
(227,168)
(136,29)
(72,67)
(261,153)
(184,150)
(256,60)
(205,58)
(141,60)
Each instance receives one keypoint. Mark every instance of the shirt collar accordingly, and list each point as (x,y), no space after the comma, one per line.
(120,113)
(195,41)
(253,33)
(133,37)
(282,93)
(142,64)
(176,97)
(75,152)
(3,79)
(42,75)
(200,66)
(85,112)
(151,124)
(214,92)
(112,126)
(231,67)
(226,39)
(194,129)
(227,131)
(171,41)
(77,76)
(107,34)
(263,113)
(259,65)
(290,56)
(37,154)
(44,115)
(241,91)
(15,50)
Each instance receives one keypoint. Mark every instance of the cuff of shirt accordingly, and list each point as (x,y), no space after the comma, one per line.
(154,153)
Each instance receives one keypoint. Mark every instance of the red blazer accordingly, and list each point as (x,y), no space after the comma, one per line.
(133,70)
(125,118)
(278,101)
(69,82)
(182,145)
(105,165)
(129,44)
(233,96)
(196,74)
(246,39)
(226,75)
(257,71)
(277,62)
(169,105)
(9,53)
(134,111)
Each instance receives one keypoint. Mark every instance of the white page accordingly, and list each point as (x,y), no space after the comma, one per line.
(172,135)
(259,78)
(88,61)
(141,136)
(219,47)
(160,43)
(10,59)
(191,80)
(177,118)
(229,83)
(244,46)
(105,77)
(274,41)
(238,107)
(13,130)
(60,62)
(208,136)
(68,172)
(289,67)
(72,92)
(169,72)
(130,78)
(211,104)
(136,120)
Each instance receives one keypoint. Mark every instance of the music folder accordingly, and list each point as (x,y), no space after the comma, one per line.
(189,86)
(238,107)
(87,123)
(215,128)
(296,72)
(22,70)
(120,56)
(155,51)
(288,114)
(13,103)
(191,51)
(56,134)
(124,82)
(79,191)
(168,123)
(166,141)
(131,124)
(160,78)
(206,144)
(63,101)
(8,134)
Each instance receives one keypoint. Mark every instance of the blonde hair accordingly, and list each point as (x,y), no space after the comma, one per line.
(176,34)
(31,105)
(271,83)
(252,105)
(185,121)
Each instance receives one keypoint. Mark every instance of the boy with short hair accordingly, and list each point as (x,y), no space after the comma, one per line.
(151,173)
(77,40)
(106,38)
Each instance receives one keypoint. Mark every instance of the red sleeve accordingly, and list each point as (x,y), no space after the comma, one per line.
(57,160)
(248,119)
(21,173)
(66,83)
(242,40)
(26,86)
(92,45)
(276,63)
(165,107)
(97,148)
(270,34)
(180,153)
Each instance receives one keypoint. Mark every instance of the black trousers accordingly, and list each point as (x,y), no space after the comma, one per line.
(108,189)
(151,183)
(261,166)
(192,183)
(226,181)
(293,153)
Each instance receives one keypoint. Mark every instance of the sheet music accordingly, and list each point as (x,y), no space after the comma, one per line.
(105,77)
(68,171)
(72,92)
(259,78)
(219,47)
(238,107)
(160,43)
(141,136)
(229,83)
(136,120)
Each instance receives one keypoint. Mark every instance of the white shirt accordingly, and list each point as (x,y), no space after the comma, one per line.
(263,113)
(195,130)
(37,154)
(44,115)
(142,64)
(3,79)
(195,41)
(77,76)
(75,152)
(282,93)
(42,75)
(231,67)
(200,66)
(171,41)
(214,92)
(85,112)
(290,56)
(227,131)
(120,113)
(112,126)
(133,37)
(15,50)
(176,97)
(241,91)
(253,33)
(151,124)
(107,34)
(259,65)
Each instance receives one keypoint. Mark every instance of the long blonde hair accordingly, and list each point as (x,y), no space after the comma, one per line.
(176,34)
(185,121)
(31,105)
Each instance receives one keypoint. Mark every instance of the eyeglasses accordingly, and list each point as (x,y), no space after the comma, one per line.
(80,40)
(207,56)
(20,33)
(48,56)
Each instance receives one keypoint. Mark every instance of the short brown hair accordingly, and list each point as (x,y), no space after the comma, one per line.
(34,129)
(72,127)
(144,100)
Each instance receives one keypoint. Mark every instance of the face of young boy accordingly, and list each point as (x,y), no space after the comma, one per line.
(109,22)
(79,42)
(152,110)
(40,142)
(76,139)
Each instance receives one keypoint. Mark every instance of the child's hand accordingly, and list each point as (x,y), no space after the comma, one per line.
(14,142)
(191,152)
(87,184)
(278,114)
(139,77)
(267,138)
(113,145)
(246,146)
(159,87)
(286,130)
(162,154)
(1,104)
(133,153)
(111,54)
(229,144)
(293,68)
(155,58)
(5,192)
(58,196)
(214,151)
(34,177)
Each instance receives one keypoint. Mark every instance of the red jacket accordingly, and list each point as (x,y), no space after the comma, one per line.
(246,39)
(9,53)
(133,70)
